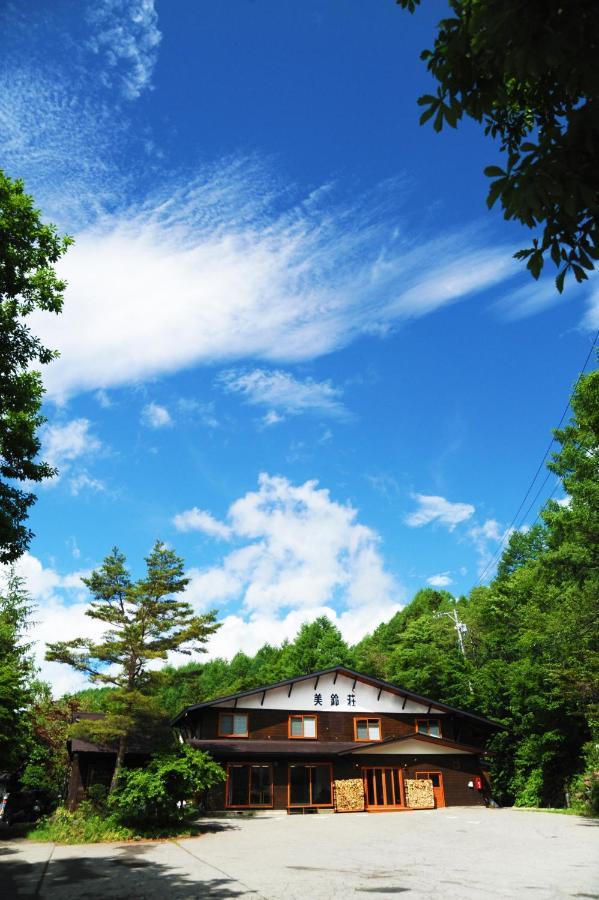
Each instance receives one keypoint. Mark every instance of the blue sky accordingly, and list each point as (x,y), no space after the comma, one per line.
(295,345)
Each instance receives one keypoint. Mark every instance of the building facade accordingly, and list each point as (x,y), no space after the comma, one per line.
(341,741)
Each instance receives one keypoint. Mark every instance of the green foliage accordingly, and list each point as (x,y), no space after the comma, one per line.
(318,645)
(148,796)
(86,825)
(145,621)
(532,81)
(28,252)
(44,754)
(16,671)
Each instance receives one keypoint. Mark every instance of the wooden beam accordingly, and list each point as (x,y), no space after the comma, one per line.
(405,700)
(335,678)
(235,704)
(428,712)
(354,685)
(263,696)
(316,682)
(378,696)
(290,688)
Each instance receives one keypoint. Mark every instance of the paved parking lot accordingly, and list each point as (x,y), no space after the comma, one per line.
(450,853)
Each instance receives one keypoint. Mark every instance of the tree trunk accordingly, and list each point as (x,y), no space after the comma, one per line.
(120,757)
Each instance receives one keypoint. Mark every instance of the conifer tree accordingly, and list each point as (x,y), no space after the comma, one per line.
(145,620)
(17,670)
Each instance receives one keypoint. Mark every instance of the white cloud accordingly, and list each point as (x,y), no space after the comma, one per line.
(272,418)
(198,520)
(590,320)
(301,552)
(443,579)
(83,481)
(156,416)
(302,555)
(245,280)
(283,393)
(62,444)
(438,509)
(65,144)
(487,538)
(126,36)
(566,501)
(103,399)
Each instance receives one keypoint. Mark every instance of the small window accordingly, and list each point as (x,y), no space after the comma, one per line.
(302,727)
(429,726)
(233,725)
(367,729)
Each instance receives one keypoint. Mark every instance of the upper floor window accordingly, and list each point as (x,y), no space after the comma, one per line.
(302,727)
(233,725)
(367,729)
(429,726)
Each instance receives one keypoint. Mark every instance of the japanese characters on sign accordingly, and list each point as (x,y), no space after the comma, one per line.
(334,699)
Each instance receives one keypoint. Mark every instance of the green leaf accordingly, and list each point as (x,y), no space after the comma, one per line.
(494,172)
(535,264)
(427,114)
(559,281)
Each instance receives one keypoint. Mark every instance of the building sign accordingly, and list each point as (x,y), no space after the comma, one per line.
(334,699)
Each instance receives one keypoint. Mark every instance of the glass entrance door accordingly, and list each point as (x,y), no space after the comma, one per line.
(383,786)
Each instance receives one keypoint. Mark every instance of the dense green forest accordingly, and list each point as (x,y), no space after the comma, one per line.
(529,657)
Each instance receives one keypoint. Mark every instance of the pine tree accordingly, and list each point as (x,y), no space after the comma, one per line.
(17,670)
(145,621)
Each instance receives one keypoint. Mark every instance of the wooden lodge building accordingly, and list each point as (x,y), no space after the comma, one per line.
(340,741)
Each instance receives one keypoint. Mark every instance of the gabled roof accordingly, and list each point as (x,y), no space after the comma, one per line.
(351,673)
(414,736)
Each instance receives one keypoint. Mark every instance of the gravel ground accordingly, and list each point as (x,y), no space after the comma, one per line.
(449,853)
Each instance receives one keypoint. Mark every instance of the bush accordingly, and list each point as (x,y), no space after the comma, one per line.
(84,826)
(154,795)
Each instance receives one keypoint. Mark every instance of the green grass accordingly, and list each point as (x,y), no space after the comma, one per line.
(88,826)
(554,809)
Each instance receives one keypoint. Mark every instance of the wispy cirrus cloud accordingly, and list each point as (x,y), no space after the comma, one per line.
(245,280)
(283,394)
(437,509)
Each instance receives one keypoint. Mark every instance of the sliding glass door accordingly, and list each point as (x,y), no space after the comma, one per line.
(249,785)
(310,785)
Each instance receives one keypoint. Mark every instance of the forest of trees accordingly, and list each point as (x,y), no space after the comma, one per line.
(530,649)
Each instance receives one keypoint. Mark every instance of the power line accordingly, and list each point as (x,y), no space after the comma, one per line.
(510,527)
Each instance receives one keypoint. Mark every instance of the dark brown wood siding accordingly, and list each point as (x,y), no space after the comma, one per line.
(272,724)
(456,770)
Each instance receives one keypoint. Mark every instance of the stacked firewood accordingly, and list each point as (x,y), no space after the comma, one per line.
(419,793)
(349,795)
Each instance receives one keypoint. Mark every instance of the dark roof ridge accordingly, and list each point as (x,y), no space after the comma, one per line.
(368,679)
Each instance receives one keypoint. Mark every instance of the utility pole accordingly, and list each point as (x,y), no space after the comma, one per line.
(461,629)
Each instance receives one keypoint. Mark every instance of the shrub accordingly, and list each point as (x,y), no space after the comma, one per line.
(83,826)
(154,795)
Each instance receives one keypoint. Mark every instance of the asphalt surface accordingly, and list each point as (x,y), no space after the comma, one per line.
(449,853)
